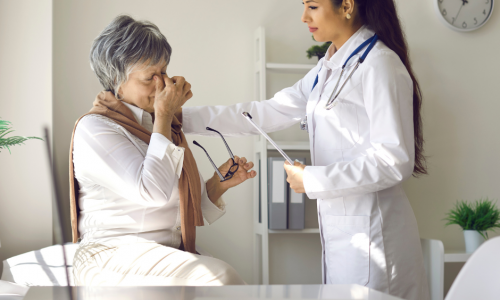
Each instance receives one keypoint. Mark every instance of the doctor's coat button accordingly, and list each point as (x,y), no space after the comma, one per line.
(179,228)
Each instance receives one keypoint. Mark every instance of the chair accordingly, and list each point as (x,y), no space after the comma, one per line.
(480,276)
(12,291)
(44,267)
(433,252)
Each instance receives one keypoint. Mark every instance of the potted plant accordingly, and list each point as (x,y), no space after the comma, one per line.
(318,50)
(476,219)
(7,142)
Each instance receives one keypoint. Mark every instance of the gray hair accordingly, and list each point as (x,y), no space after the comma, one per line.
(124,44)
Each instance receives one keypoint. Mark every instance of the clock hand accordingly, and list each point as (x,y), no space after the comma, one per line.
(463,4)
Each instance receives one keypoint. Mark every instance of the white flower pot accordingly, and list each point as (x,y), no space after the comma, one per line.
(473,239)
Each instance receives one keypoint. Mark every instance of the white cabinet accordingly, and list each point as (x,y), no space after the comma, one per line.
(261,148)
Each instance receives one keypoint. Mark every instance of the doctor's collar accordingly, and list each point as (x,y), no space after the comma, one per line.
(336,59)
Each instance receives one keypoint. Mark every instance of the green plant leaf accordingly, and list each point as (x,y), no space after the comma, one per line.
(317,50)
(4,124)
(5,132)
(13,140)
(481,215)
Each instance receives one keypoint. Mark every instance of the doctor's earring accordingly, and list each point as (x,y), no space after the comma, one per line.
(348,16)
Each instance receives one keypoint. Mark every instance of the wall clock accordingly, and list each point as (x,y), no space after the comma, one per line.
(464,15)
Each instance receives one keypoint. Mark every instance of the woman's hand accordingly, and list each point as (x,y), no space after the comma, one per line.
(171,94)
(169,97)
(215,188)
(295,176)
(244,172)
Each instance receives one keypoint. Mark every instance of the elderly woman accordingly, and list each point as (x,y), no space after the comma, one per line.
(136,192)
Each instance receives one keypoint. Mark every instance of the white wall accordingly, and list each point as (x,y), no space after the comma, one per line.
(458,73)
(459,77)
(26,101)
(213,49)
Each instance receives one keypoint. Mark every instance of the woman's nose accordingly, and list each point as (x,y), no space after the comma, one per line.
(304,18)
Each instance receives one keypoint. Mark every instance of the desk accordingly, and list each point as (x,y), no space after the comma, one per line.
(456,256)
(241,292)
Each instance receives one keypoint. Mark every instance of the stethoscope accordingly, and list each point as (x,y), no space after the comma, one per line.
(331,101)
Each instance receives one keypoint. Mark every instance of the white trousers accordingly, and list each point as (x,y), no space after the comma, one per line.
(140,264)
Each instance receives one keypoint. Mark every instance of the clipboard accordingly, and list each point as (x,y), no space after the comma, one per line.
(249,118)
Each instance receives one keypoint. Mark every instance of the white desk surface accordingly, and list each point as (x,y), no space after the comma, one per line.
(242,292)
(456,256)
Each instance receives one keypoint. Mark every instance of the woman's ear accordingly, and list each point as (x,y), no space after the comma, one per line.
(119,94)
(348,7)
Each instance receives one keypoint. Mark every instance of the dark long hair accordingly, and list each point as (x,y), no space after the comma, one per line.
(381,17)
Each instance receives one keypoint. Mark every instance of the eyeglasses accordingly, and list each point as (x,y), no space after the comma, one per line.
(232,169)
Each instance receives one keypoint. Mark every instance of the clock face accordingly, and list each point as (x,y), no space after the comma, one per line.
(465,15)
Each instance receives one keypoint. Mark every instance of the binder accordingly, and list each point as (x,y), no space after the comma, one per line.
(296,205)
(260,194)
(277,190)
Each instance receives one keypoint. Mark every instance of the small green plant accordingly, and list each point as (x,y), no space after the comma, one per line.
(7,142)
(481,216)
(318,51)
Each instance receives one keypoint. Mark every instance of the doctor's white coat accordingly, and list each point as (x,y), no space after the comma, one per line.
(361,150)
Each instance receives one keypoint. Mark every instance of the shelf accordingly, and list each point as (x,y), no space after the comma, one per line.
(456,256)
(289,145)
(290,68)
(262,149)
(288,231)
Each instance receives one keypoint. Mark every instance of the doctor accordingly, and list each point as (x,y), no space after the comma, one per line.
(366,138)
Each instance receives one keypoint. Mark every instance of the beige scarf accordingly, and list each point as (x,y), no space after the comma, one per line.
(107,105)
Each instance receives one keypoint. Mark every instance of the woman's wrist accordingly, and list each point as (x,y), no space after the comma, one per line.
(178,114)
(163,125)
(214,189)
(167,114)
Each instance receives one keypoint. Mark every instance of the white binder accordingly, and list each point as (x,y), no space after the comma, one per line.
(296,205)
(277,193)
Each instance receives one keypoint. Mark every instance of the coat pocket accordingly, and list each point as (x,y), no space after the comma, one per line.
(349,124)
(347,249)
(338,128)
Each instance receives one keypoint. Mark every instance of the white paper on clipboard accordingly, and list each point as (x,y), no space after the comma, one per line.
(249,118)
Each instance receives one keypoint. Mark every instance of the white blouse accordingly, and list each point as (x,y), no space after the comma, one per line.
(129,190)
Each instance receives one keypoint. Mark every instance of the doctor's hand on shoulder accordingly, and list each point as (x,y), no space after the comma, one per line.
(295,175)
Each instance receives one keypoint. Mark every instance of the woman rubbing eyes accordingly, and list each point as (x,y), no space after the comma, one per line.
(136,193)
(366,138)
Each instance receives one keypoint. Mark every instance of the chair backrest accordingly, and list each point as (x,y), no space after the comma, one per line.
(480,276)
(433,251)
